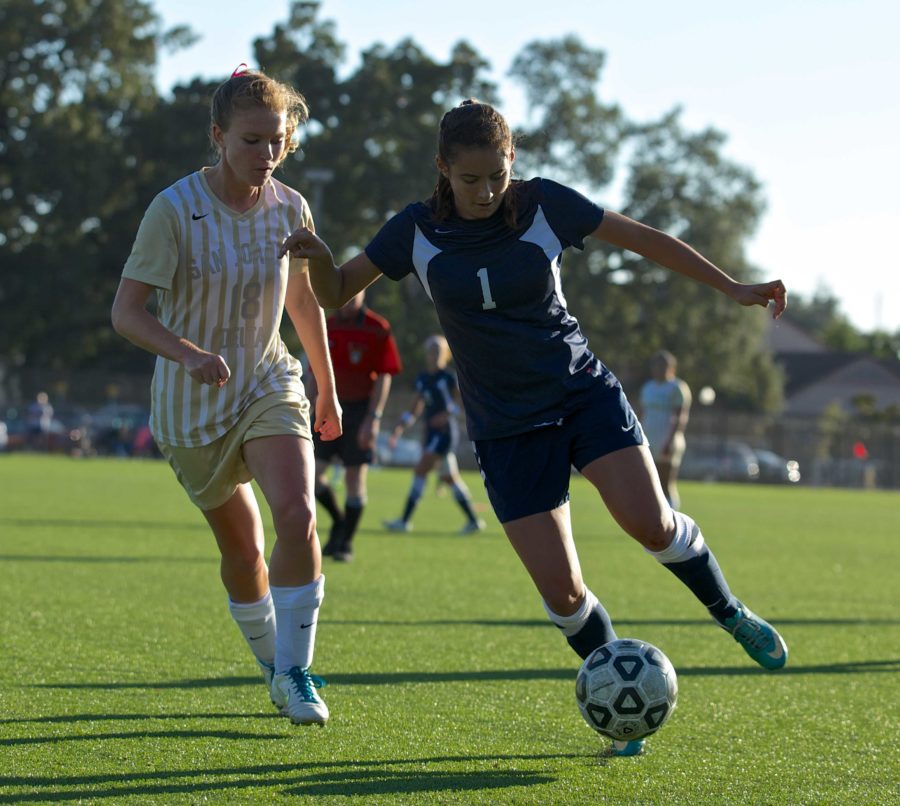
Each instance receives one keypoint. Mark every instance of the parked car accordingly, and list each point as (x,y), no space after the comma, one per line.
(719,461)
(115,427)
(775,469)
(406,454)
(18,437)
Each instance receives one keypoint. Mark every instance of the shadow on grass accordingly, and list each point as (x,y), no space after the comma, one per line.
(81,558)
(104,523)
(398,678)
(234,735)
(63,719)
(377,777)
(619,622)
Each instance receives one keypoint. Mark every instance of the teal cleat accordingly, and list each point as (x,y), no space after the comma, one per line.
(759,639)
(295,693)
(633,748)
(398,525)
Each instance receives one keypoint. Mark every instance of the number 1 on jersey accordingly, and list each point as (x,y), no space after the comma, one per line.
(487,303)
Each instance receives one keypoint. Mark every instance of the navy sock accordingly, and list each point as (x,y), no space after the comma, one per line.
(465,503)
(597,631)
(352,513)
(325,496)
(587,628)
(706,581)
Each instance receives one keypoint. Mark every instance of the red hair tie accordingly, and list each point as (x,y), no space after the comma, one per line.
(242,68)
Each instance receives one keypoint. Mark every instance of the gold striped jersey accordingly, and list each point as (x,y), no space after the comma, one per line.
(221,285)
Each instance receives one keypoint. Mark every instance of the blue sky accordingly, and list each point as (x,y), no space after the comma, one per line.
(805,91)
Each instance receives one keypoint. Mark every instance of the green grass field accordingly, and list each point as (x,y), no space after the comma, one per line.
(123,679)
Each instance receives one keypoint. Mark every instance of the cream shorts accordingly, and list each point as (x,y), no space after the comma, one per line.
(211,473)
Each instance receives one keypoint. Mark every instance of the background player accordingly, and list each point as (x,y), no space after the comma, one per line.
(365,357)
(228,403)
(665,404)
(487,251)
(437,397)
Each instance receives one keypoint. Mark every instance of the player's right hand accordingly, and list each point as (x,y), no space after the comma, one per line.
(207,368)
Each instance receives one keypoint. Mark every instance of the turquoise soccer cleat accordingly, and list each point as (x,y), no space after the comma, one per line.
(759,639)
(631,748)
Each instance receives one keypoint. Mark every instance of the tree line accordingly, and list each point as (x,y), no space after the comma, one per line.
(86,141)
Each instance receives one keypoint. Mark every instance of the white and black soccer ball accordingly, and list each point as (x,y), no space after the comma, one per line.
(626,689)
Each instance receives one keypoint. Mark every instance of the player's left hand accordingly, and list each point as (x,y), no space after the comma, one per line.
(762,294)
(328,424)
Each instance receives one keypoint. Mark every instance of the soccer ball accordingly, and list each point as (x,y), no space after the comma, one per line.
(626,689)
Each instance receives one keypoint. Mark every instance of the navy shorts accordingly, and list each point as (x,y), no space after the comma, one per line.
(345,446)
(529,473)
(440,441)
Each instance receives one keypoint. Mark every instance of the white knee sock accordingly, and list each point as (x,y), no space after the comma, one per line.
(297,611)
(569,625)
(256,621)
(687,542)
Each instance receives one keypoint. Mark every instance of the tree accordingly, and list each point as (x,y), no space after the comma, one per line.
(570,132)
(85,143)
(676,181)
(71,73)
(680,182)
(821,317)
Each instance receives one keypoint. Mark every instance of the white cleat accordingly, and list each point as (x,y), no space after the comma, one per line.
(268,672)
(295,693)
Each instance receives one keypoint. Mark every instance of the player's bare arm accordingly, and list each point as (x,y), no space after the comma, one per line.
(131,319)
(333,285)
(309,322)
(674,254)
(407,419)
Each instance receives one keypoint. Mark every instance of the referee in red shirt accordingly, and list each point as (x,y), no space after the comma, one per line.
(365,357)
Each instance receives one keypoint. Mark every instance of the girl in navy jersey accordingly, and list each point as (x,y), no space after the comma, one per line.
(436,402)
(487,251)
(228,402)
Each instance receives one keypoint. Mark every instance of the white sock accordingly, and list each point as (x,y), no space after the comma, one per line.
(570,625)
(687,542)
(297,611)
(256,621)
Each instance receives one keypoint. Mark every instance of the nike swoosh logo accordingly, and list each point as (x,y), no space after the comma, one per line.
(549,422)
(256,637)
(778,652)
(629,428)
(196,217)
(304,626)
(443,231)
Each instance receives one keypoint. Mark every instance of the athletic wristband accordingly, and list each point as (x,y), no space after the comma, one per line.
(375,415)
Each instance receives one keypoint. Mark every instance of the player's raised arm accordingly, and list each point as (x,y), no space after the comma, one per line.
(677,256)
(333,285)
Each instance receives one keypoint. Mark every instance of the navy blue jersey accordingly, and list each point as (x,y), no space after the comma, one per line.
(520,355)
(436,390)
